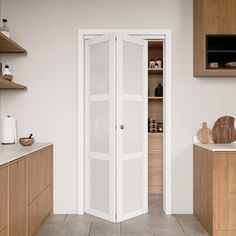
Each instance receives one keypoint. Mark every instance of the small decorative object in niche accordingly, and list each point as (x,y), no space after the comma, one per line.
(223,130)
(158,64)
(160,127)
(153,125)
(159,91)
(213,65)
(204,134)
(230,65)
(152,63)
(27,141)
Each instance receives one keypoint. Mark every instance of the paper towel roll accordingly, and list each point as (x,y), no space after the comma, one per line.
(9,130)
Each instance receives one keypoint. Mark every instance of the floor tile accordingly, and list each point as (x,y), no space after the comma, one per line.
(191,226)
(105,228)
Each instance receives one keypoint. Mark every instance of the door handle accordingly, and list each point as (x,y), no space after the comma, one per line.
(122,127)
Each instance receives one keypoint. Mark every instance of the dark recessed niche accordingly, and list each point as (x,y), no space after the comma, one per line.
(220,49)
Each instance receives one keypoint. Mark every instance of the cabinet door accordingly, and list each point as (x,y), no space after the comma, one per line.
(47,166)
(34,175)
(17,181)
(219,16)
(3,196)
(39,209)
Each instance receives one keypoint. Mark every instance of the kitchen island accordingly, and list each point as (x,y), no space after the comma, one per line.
(215,188)
(26,187)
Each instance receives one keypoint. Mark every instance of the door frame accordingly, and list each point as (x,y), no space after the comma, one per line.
(167,110)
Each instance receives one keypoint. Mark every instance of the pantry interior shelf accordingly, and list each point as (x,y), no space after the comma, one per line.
(7,45)
(155,70)
(155,98)
(5,84)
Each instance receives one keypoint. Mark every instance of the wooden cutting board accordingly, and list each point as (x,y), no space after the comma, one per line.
(223,130)
(204,134)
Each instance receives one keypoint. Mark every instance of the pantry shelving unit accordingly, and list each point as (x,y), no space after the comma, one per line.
(155,110)
(7,45)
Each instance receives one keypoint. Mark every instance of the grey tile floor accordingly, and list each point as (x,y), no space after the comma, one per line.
(155,223)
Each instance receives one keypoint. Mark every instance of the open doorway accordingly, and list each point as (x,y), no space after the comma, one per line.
(155,124)
(150,35)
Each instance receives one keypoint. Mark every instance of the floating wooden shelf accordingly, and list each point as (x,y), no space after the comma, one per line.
(7,45)
(155,98)
(5,84)
(155,71)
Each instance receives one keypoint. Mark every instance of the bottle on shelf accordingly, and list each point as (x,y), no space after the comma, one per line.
(4,29)
(159,91)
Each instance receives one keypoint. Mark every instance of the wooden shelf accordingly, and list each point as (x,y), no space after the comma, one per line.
(155,98)
(5,84)
(7,45)
(155,71)
(155,134)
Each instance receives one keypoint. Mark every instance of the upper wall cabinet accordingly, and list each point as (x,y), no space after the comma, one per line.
(214,38)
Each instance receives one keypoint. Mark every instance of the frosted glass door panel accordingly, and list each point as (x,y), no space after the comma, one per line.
(99,68)
(99,191)
(99,127)
(133,123)
(133,185)
(132,68)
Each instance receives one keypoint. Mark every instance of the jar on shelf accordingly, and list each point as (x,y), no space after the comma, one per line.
(159,91)
(152,63)
(4,29)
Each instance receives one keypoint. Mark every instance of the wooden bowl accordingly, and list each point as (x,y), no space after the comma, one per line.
(26,141)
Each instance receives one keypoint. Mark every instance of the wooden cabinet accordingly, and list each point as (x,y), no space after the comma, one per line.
(26,193)
(17,200)
(155,163)
(213,17)
(3,198)
(215,191)
(39,171)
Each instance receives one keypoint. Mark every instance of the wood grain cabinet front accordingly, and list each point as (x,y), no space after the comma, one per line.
(40,172)
(4,232)
(17,198)
(3,198)
(215,191)
(26,193)
(213,18)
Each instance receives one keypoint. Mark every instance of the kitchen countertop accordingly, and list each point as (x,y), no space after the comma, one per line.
(218,147)
(12,152)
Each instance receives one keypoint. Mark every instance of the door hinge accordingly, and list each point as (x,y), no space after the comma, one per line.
(116,38)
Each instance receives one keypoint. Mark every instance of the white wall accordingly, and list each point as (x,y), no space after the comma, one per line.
(48,30)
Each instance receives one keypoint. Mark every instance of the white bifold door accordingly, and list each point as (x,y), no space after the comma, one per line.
(116,127)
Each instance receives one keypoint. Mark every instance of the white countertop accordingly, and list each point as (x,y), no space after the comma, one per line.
(12,152)
(218,147)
